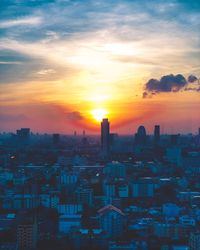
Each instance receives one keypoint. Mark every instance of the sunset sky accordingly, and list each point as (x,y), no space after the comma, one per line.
(64,64)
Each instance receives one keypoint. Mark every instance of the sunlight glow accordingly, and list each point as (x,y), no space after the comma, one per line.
(99,114)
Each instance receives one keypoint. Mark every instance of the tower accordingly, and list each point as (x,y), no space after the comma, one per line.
(140,136)
(157,134)
(105,134)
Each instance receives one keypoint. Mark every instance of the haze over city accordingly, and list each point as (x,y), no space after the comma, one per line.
(67,68)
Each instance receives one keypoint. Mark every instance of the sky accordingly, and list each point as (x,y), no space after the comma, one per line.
(66,64)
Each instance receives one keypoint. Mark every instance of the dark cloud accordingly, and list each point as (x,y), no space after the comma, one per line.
(145,95)
(192,78)
(170,83)
(74,116)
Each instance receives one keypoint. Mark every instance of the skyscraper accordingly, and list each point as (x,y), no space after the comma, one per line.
(105,134)
(140,136)
(157,134)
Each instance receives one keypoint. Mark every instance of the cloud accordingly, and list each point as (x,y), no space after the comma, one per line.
(169,83)
(22,21)
(74,116)
(145,94)
(192,78)
(46,71)
(13,62)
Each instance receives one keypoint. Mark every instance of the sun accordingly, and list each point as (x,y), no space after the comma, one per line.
(99,114)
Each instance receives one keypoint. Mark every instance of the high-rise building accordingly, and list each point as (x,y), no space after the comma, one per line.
(27,235)
(157,134)
(111,221)
(105,136)
(140,136)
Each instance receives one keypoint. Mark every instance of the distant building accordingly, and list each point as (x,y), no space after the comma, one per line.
(109,189)
(132,245)
(66,178)
(8,246)
(115,169)
(173,230)
(157,134)
(105,137)
(174,139)
(123,191)
(174,155)
(23,135)
(140,136)
(84,196)
(170,210)
(143,187)
(56,138)
(67,221)
(194,241)
(70,209)
(111,221)
(89,238)
(27,235)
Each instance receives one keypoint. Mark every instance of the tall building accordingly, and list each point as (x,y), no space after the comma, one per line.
(27,235)
(140,136)
(105,136)
(157,134)
(111,221)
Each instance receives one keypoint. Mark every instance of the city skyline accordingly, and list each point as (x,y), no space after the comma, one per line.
(135,63)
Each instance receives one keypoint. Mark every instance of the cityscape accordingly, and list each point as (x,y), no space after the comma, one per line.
(110,192)
(99,124)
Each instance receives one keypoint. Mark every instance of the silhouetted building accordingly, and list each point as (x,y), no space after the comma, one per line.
(105,136)
(140,136)
(157,134)
(23,135)
(56,138)
(174,139)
